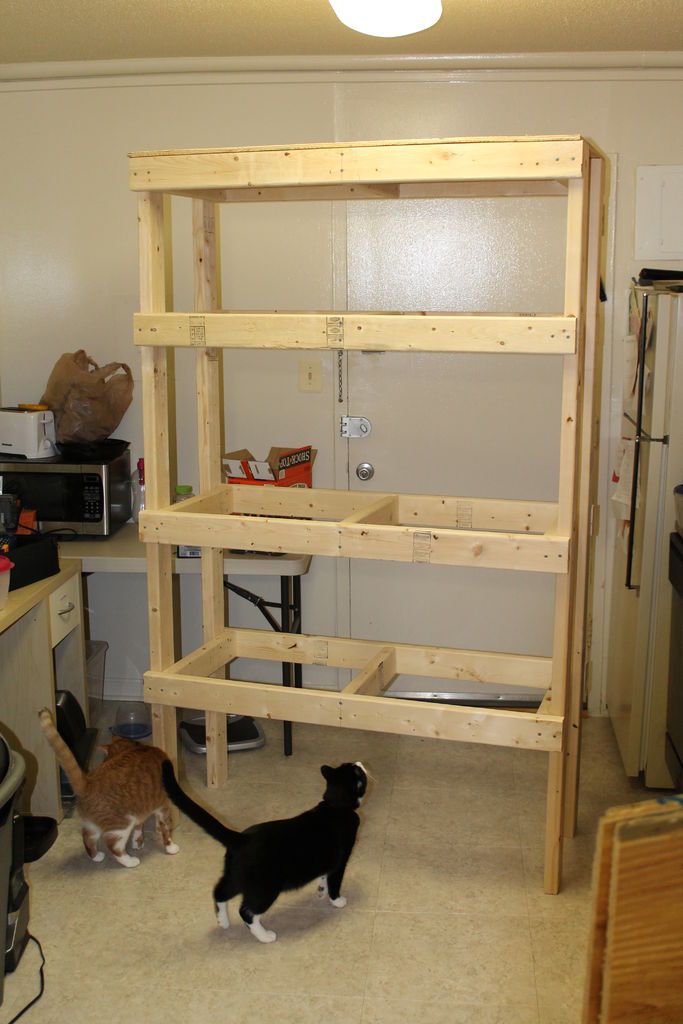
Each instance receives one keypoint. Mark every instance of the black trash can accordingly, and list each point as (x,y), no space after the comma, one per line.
(12,775)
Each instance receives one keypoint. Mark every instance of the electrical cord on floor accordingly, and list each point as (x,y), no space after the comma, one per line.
(42,983)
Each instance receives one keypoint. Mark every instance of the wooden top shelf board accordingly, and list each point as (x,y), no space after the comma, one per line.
(535,158)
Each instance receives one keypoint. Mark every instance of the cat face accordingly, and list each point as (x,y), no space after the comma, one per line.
(346,785)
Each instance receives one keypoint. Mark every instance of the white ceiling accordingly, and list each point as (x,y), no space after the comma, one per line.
(87,30)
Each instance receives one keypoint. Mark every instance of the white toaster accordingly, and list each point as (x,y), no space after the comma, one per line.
(27,432)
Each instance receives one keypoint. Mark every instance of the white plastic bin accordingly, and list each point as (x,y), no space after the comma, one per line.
(95,654)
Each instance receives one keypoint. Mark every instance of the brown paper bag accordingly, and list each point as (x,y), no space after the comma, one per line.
(88,401)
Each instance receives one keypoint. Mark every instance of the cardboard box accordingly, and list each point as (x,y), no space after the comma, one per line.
(283,467)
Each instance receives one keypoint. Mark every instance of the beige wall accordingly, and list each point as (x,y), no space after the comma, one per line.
(68,251)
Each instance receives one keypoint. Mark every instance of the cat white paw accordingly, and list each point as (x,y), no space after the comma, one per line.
(137,842)
(172,848)
(99,856)
(339,902)
(222,915)
(261,933)
(128,861)
(322,887)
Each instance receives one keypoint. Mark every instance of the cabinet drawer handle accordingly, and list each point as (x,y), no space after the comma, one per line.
(69,608)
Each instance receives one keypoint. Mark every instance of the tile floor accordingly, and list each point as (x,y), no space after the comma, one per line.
(446,921)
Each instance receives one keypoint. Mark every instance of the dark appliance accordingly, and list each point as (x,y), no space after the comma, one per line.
(674,714)
(24,838)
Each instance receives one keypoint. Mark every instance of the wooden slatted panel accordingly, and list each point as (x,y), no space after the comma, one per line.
(153,268)
(209,370)
(619,899)
(396,332)
(643,974)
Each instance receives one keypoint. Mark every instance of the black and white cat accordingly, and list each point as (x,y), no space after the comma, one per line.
(277,856)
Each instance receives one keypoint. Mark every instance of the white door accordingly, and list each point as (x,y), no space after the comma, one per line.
(466,425)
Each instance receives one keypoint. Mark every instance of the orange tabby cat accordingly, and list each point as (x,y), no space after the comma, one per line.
(116,798)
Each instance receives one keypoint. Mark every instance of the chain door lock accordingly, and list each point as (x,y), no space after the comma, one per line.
(354,426)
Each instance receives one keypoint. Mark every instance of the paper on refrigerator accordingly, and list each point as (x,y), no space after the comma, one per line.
(622,477)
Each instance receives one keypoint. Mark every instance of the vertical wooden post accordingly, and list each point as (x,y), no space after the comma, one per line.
(577,211)
(153,294)
(207,287)
(587,471)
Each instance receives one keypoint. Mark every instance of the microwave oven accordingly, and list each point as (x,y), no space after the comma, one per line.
(79,498)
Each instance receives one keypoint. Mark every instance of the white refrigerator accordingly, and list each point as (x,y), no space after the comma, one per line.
(650,466)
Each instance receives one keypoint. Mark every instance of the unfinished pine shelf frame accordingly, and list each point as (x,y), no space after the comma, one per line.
(551,537)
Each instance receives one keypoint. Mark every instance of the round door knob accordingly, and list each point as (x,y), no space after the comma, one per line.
(365,471)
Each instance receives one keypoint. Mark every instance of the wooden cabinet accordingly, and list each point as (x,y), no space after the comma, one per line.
(41,649)
(65,612)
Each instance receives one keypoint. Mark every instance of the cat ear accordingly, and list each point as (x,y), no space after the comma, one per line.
(326,772)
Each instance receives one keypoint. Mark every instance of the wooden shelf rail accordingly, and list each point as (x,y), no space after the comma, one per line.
(443,531)
(361,705)
(384,332)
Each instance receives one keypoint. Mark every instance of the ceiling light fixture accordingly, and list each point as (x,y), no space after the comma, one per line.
(387,18)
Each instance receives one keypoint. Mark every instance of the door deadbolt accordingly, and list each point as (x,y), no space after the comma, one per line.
(365,471)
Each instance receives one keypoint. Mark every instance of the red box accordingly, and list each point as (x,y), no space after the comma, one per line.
(283,467)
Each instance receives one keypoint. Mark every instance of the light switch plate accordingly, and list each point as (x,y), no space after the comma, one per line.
(310,375)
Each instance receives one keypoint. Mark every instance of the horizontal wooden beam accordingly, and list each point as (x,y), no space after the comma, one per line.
(361,163)
(442,546)
(349,193)
(391,332)
(376,677)
(481,189)
(383,510)
(356,711)
(453,664)
(476,513)
(210,657)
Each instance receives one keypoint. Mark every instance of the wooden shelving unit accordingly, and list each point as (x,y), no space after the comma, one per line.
(551,537)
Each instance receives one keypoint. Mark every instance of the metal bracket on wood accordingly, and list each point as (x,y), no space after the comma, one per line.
(422,546)
(334,330)
(198,331)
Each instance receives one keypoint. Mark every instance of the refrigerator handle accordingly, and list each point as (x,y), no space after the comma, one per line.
(642,345)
